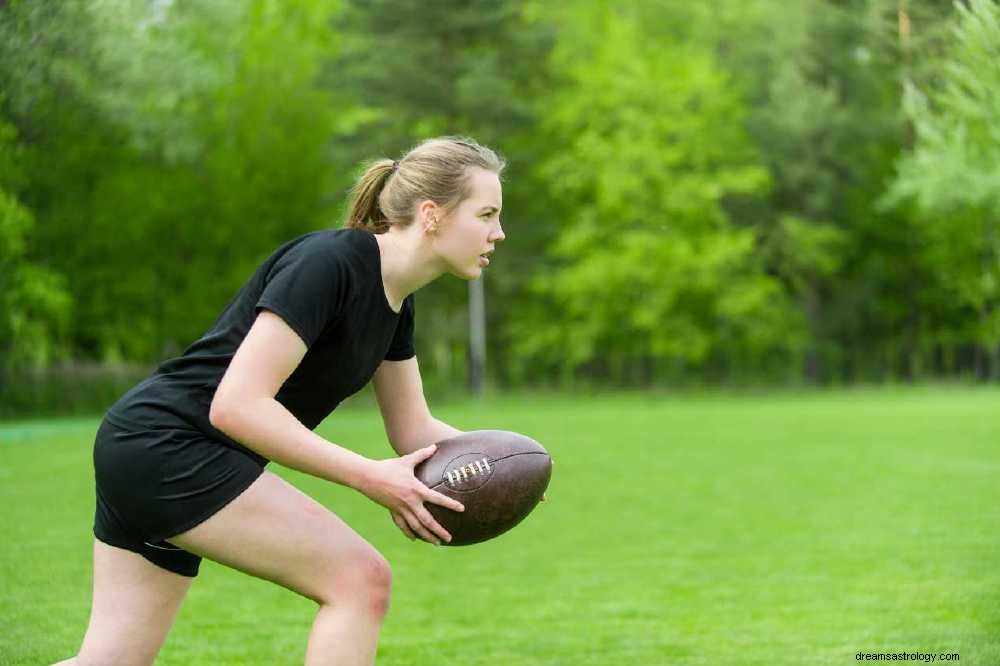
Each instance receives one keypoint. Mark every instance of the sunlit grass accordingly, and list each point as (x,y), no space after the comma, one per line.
(753,529)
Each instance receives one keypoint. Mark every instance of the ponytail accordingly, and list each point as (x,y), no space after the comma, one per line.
(365,211)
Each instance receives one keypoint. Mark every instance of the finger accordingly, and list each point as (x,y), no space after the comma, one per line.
(403,527)
(428,520)
(417,527)
(435,497)
(422,454)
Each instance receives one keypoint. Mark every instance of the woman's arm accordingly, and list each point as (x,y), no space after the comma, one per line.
(244,408)
(408,422)
(436,431)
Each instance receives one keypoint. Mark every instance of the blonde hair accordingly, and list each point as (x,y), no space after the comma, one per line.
(437,169)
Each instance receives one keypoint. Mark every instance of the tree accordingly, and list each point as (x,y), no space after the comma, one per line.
(34,304)
(647,270)
(413,70)
(169,147)
(952,174)
(823,88)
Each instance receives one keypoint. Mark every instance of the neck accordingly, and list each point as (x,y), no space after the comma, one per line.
(408,262)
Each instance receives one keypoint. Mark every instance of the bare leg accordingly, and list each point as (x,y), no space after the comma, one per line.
(134,606)
(276,532)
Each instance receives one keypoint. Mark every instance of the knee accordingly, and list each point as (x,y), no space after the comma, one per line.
(377,575)
(363,579)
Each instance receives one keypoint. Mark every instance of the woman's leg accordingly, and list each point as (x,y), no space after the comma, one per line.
(276,532)
(134,605)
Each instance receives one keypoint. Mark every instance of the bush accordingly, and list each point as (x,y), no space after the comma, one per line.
(67,389)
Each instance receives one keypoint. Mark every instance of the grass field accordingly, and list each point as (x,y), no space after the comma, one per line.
(709,529)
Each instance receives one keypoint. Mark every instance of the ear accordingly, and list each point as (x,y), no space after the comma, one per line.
(428,216)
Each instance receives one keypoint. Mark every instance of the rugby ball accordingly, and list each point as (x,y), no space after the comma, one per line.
(499,477)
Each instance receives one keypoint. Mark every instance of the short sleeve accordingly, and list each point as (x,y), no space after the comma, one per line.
(402,347)
(308,288)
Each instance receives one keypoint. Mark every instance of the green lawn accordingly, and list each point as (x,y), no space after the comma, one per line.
(732,529)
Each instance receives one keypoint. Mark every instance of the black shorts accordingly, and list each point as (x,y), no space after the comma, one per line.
(154,483)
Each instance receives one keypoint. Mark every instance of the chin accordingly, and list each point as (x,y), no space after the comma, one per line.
(468,274)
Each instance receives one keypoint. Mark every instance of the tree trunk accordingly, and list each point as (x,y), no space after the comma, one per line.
(477,336)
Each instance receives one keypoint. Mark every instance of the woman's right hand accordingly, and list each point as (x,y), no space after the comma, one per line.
(392,484)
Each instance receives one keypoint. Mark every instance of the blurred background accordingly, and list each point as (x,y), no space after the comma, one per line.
(736,193)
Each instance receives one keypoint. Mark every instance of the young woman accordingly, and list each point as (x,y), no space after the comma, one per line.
(179,459)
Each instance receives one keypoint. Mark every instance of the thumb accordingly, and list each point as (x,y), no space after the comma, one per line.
(422,454)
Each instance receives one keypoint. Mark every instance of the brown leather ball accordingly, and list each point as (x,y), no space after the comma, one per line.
(499,477)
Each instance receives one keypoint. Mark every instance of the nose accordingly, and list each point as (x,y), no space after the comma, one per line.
(498,235)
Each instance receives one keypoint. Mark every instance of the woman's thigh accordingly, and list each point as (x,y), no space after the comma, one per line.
(134,605)
(276,532)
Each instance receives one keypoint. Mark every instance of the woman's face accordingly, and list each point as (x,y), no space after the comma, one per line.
(473,229)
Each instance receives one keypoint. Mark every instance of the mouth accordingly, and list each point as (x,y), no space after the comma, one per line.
(484,258)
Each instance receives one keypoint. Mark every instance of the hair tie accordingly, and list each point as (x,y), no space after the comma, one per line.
(395,165)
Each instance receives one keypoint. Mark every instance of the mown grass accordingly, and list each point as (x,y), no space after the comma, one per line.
(708,529)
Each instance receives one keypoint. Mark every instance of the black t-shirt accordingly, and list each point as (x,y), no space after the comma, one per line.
(327,286)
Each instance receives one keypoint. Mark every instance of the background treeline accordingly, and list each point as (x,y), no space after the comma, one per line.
(736,191)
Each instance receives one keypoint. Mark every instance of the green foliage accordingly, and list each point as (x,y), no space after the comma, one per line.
(65,388)
(33,299)
(955,163)
(412,70)
(647,263)
(693,190)
(823,85)
(952,174)
(170,132)
(34,305)
(805,252)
